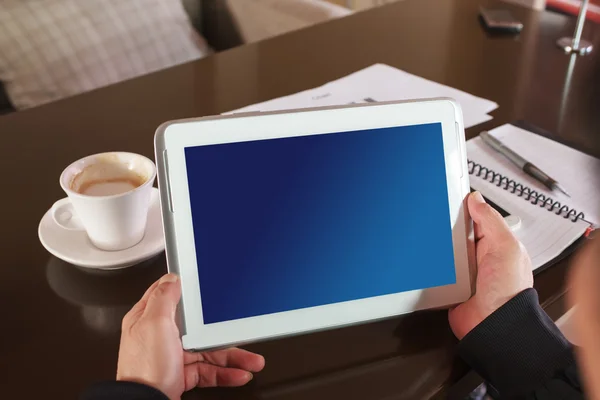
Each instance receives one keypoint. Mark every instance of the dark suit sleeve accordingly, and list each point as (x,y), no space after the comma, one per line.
(122,391)
(522,353)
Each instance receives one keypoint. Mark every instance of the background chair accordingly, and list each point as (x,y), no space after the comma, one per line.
(230,23)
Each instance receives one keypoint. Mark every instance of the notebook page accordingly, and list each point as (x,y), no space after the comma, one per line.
(577,172)
(544,234)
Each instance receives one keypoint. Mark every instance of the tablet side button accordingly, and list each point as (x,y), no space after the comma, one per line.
(459,142)
(167,181)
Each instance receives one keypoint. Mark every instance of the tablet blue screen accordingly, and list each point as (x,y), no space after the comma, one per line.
(284,224)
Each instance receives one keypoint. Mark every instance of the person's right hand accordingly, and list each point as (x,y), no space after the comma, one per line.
(503,268)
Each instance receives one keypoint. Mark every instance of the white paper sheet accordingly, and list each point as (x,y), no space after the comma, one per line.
(379,82)
(544,234)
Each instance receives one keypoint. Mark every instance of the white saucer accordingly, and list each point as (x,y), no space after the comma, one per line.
(74,246)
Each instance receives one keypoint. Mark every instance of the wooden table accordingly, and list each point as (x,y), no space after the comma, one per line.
(60,326)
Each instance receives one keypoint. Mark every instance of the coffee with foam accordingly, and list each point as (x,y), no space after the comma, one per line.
(110,194)
(107,177)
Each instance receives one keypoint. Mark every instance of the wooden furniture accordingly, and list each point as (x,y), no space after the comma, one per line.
(61,325)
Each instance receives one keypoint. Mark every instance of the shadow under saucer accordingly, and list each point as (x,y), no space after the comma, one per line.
(103,297)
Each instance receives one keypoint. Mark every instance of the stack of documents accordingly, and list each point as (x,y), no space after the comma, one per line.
(376,83)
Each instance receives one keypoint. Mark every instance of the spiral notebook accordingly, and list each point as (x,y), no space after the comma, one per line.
(550,221)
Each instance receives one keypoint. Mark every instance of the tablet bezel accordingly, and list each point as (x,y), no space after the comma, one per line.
(173,137)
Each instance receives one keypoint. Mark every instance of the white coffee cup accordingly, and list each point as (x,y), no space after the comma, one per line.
(109,196)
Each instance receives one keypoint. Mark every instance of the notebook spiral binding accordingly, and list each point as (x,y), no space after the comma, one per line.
(524,191)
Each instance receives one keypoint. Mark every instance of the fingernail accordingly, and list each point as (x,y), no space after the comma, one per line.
(250,376)
(169,278)
(478,197)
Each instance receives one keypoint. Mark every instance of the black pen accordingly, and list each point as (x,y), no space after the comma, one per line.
(522,163)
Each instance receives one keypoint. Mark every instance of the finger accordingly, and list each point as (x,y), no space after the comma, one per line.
(141,304)
(463,318)
(477,231)
(488,222)
(206,375)
(149,291)
(138,308)
(162,302)
(232,358)
(454,319)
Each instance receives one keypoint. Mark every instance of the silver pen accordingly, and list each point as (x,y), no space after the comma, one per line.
(522,163)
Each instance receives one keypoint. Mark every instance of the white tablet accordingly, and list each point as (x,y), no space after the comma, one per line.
(290,222)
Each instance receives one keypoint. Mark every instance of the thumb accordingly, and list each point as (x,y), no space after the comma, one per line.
(461,318)
(163,300)
(488,222)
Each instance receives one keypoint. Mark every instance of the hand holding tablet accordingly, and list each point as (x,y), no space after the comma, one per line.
(499,278)
(172,371)
(315,219)
(150,352)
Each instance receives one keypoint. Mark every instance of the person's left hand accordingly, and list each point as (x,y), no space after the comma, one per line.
(503,268)
(151,352)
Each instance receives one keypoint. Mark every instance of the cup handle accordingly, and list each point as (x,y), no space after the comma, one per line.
(65,216)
